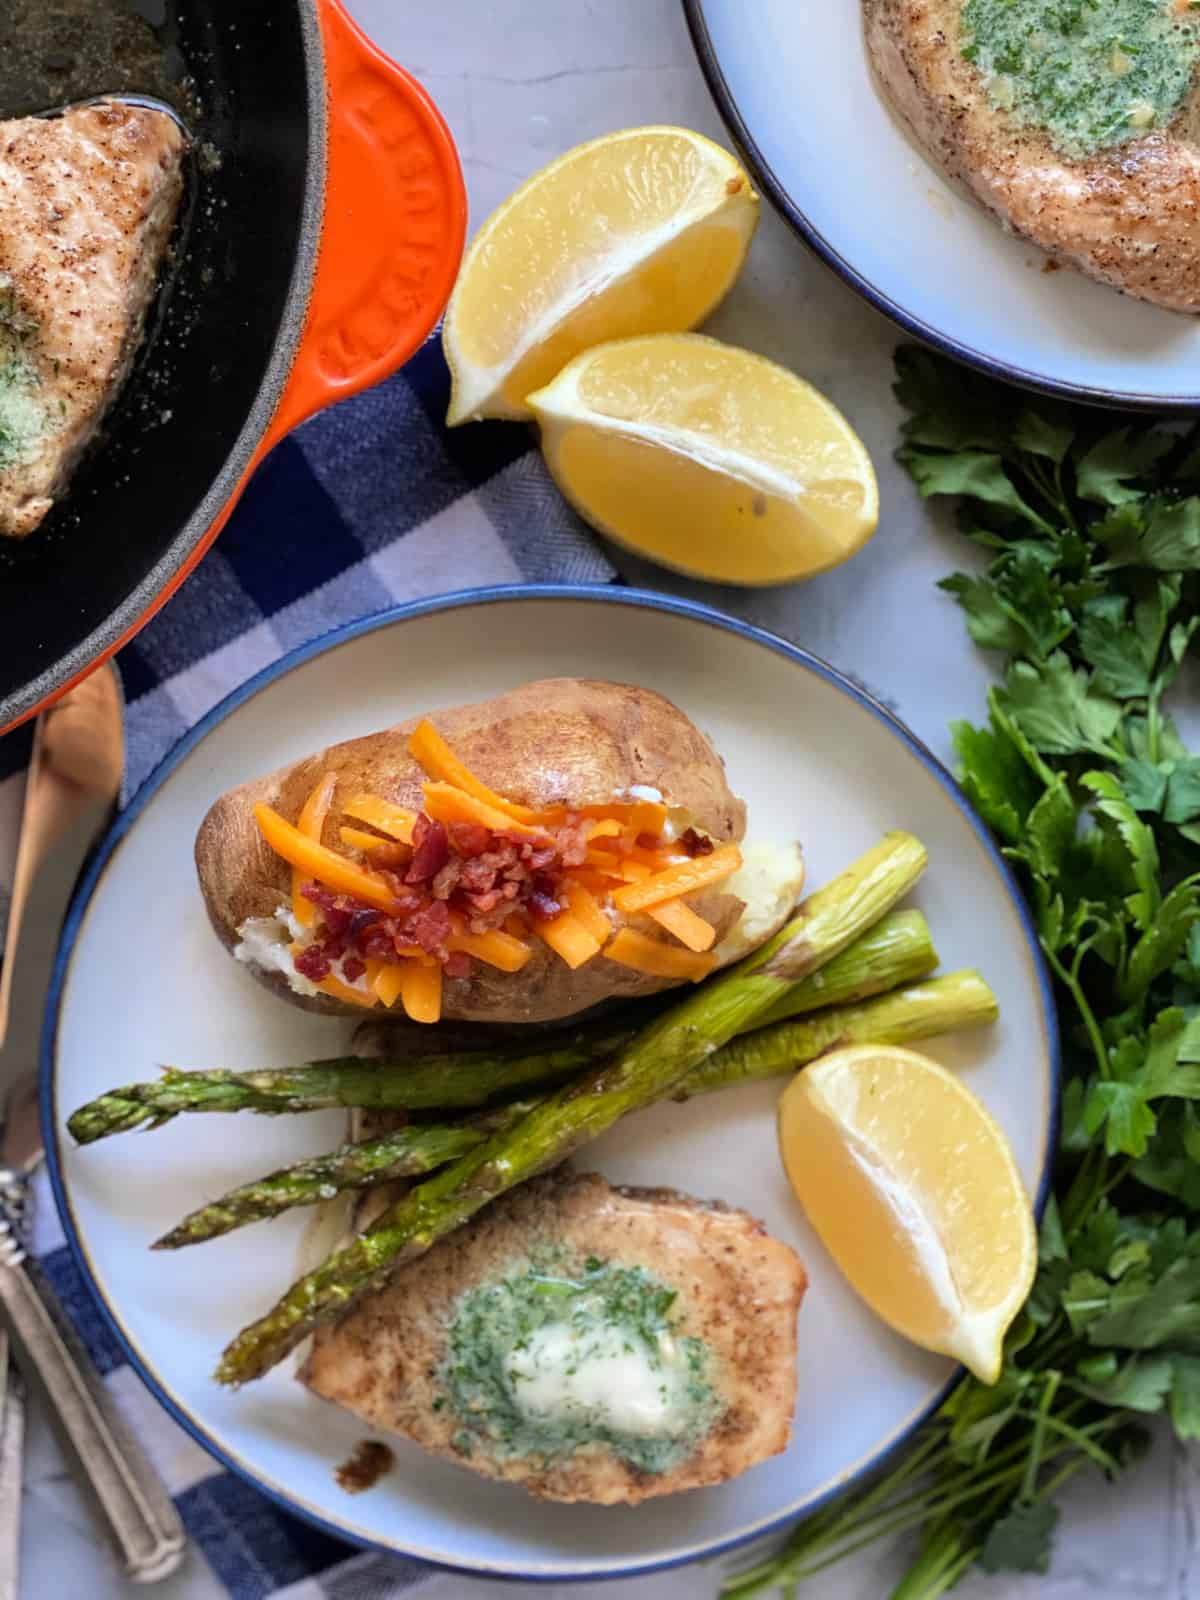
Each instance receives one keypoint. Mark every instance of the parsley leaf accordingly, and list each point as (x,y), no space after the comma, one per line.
(992,620)
(1185,1396)
(977,473)
(1057,709)
(1021,1540)
(1171,541)
(1123,656)
(1172,1164)
(996,778)
(1043,433)
(1113,806)
(1139,1384)
(1107,471)
(1182,803)
(1145,785)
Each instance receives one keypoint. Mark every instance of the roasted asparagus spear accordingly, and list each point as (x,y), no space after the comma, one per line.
(649,1068)
(898,950)
(960,1000)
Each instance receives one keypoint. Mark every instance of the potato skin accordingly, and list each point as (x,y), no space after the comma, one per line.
(570,740)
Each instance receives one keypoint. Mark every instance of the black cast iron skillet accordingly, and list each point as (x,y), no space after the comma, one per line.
(325,225)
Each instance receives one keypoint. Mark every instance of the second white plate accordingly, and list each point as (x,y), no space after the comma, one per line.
(795,88)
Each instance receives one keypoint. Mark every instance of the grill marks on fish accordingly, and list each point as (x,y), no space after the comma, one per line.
(88,201)
(1128,216)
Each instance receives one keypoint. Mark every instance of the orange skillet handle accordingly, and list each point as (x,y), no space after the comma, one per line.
(392,237)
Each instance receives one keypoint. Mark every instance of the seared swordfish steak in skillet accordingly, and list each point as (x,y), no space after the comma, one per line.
(583,1341)
(87,204)
(1078,125)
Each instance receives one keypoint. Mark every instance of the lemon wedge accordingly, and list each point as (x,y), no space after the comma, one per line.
(635,232)
(914,1191)
(708,459)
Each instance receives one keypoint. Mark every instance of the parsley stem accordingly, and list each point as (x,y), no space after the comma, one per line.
(1063,503)
(1153,722)
(1086,1186)
(830,1526)
(1002,1462)
(849,1532)
(1045,490)
(1078,1437)
(1070,981)
(939,1566)
(924,1506)
(1118,1177)
(797,1574)
(1053,1353)
(925,1458)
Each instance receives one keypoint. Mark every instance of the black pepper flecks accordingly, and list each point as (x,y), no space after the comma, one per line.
(55,52)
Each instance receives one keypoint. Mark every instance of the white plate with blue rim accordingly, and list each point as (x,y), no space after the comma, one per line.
(794,86)
(141,980)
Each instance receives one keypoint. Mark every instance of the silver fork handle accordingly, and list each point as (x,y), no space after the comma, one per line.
(139,1512)
(12,1442)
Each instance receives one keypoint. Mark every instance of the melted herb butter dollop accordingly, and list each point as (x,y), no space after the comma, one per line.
(23,418)
(562,1354)
(1090,73)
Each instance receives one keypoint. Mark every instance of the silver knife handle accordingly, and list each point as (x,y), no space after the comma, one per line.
(140,1514)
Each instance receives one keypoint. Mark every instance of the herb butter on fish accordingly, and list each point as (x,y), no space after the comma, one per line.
(1077,122)
(1090,75)
(583,1341)
(87,204)
(562,1354)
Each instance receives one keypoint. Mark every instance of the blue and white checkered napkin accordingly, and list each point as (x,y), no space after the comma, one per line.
(371,503)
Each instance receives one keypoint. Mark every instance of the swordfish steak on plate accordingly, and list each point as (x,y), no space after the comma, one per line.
(1077,125)
(583,1341)
(87,204)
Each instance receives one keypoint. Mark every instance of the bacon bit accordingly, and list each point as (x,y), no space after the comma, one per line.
(695,844)
(312,963)
(469,838)
(573,842)
(431,928)
(457,964)
(336,910)
(480,874)
(353,969)
(447,880)
(431,850)
(648,841)
(378,943)
(543,901)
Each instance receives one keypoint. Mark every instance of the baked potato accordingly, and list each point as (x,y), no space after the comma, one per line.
(474,870)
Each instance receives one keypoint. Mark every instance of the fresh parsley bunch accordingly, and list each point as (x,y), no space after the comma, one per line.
(1093,528)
